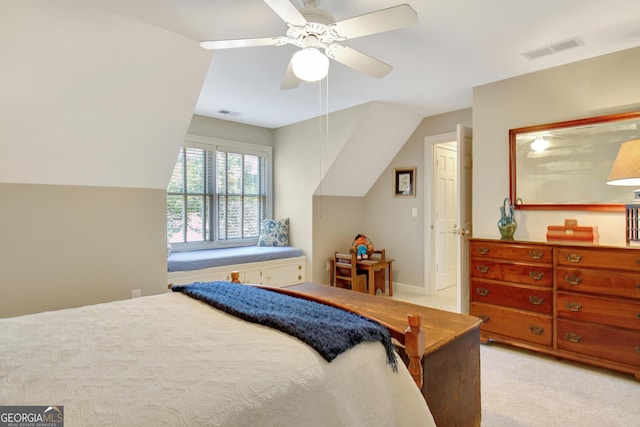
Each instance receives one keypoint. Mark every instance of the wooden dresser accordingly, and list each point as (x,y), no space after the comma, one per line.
(576,302)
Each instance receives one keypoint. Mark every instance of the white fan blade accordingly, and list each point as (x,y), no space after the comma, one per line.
(377,22)
(229,44)
(289,81)
(358,60)
(287,12)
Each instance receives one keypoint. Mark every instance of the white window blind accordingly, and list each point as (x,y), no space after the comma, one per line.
(218,194)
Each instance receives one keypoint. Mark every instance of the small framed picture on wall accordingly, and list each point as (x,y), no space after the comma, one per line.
(404,182)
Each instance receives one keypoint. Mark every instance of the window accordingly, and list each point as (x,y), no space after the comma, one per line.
(218,194)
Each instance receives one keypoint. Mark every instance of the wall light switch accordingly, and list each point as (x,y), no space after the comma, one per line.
(414,212)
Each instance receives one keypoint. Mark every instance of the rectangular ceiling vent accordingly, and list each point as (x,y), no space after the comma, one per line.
(553,48)
(567,44)
(228,113)
(538,53)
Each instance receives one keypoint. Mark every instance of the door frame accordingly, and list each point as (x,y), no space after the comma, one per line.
(462,135)
(429,144)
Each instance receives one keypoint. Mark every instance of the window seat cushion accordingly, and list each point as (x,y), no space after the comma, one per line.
(196,260)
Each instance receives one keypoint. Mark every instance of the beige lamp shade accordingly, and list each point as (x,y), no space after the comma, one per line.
(626,168)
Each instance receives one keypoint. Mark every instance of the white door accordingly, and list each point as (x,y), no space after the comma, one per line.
(463,217)
(445,165)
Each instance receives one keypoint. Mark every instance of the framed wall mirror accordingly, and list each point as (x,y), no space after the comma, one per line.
(565,165)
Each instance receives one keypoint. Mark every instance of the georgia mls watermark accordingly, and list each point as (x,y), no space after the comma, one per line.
(31,416)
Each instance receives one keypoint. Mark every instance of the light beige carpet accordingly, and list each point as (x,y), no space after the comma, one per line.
(521,388)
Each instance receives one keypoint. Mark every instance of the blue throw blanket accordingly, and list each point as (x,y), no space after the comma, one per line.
(329,330)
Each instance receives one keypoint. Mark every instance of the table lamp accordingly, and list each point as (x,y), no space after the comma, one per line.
(626,171)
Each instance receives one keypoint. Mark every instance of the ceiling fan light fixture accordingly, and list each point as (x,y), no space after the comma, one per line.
(309,64)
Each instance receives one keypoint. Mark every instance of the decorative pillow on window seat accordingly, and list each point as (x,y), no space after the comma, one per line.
(274,233)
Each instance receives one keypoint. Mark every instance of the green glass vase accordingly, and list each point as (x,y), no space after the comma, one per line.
(507,223)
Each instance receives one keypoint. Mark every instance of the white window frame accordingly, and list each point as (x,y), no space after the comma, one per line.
(214,144)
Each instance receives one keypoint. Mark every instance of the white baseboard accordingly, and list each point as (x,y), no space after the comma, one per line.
(408,289)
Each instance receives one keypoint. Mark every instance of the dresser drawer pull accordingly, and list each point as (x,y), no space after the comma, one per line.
(573,280)
(536,275)
(574,306)
(482,250)
(638,349)
(536,300)
(575,258)
(573,337)
(536,254)
(536,330)
(482,268)
(483,291)
(484,318)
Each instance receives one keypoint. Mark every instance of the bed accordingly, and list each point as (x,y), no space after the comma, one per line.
(172,360)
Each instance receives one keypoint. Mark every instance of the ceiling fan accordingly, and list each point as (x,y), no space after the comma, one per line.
(313,29)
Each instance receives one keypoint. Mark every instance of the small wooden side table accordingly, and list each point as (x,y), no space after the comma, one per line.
(371,266)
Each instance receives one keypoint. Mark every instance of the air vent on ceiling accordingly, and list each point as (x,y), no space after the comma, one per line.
(553,48)
(228,113)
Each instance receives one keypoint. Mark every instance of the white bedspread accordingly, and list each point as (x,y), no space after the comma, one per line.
(170,360)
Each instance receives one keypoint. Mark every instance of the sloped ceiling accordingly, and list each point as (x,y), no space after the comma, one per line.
(379,134)
(92,98)
(456,45)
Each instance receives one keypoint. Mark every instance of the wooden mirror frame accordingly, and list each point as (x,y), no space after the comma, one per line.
(603,207)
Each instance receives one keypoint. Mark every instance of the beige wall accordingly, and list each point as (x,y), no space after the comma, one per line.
(302,154)
(602,85)
(98,101)
(67,246)
(386,220)
(336,221)
(93,115)
(230,131)
(99,232)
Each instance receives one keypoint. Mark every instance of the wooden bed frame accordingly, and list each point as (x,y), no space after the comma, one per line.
(411,339)
(442,354)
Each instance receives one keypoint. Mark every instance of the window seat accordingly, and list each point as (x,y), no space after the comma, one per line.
(197,260)
(266,265)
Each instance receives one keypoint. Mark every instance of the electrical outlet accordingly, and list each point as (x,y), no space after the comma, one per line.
(136,293)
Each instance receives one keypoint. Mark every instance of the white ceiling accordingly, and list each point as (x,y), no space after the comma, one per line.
(458,44)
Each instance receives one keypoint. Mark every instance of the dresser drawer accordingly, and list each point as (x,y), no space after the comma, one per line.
(619,259)
(609,311)
(511,252)
(538,275)
(619,345)
(521,297)
(524,326)
(602,282)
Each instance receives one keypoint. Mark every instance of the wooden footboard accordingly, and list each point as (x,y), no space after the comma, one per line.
(414,347)
(410,339)
(441,349)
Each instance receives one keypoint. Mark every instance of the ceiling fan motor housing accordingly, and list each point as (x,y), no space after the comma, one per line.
(317,15)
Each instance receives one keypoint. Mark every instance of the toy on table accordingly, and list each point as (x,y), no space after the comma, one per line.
(362,247)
